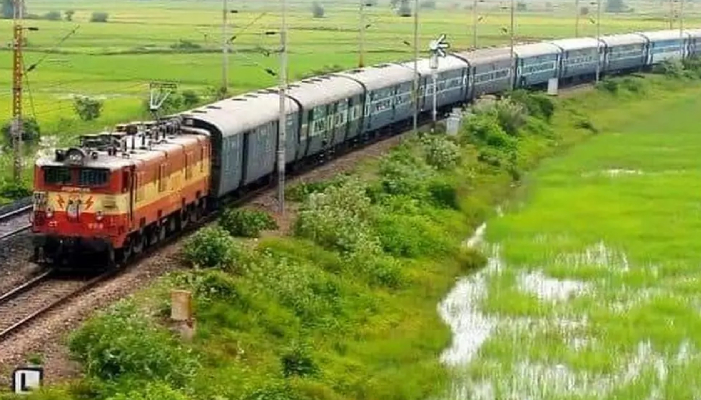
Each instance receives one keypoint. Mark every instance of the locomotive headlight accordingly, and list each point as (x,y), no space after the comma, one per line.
(49,212)
(98,216)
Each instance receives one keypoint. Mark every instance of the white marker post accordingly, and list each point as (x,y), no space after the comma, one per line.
(437,48)
(27,379)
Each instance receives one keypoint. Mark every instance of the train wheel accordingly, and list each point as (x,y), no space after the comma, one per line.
(139,242)
(125,252)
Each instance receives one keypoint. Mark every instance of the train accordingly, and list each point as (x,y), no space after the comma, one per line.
(116,193)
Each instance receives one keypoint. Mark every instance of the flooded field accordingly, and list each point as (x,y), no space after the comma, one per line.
(593,286)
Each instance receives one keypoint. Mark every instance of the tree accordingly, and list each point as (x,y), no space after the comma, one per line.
(8,9)
(87,108)
(69,15)
(521,6)
(615,6)
(30,130)
(99,16)
(428,4)
(53,16)
(584,11)
(317,10)
(404,9)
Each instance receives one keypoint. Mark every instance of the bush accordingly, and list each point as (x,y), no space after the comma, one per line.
(123,343)
(440,152)
(404,9)
(31,131)
(428,5)
(99,16)
(87,108)
(15,191)
(209,247)
(537,104)
(152,391)
(672,68)
(69,15)
(53,16)
(403,173)
(317,10)
(246,223)
(297,361)
(185,45)
(337,218)
(470,259)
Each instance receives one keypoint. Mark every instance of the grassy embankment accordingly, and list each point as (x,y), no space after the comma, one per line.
(613,228)
(178,42)
(345,306)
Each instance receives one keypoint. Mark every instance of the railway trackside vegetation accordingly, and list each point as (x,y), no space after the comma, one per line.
(343,306)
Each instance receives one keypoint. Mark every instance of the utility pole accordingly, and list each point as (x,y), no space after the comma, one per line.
(361,60)
(598,40)
(282,128)
(17,75)
(576,18)
(474,24)
(513,67)
(681,28)
(225,47)
(416,66)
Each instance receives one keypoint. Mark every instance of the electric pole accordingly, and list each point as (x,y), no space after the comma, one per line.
(576,18)
(598,40)
(17,75)
(513,67)
(681,28)
(282,128)
(416,66)
(225,47)
(361,60)
(474,24)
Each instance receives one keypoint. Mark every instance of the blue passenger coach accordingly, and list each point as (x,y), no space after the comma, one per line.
(624,52)
(536,63)
(579,57)
(666,45)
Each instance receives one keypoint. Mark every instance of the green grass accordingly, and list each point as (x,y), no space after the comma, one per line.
(630,238)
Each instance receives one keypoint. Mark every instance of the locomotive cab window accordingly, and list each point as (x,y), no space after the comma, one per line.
(92,177)
(57,175)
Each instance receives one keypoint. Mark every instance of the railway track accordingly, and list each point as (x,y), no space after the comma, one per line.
(25,303)
(14,222)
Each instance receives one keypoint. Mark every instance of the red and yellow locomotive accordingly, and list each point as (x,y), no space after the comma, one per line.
(117,193)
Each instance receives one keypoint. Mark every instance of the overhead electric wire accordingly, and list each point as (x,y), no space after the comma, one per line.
(63,39)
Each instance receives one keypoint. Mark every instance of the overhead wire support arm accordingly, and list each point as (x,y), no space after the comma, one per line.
(158,94)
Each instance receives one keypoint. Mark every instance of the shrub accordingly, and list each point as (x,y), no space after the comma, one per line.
(99,16)
(609,85)
(185,45)
(337,218)
(30,131)
(152,391)
(87,108)
(53,16)
(672,68)
(209,247)
(14,190)
(69,15)
(123,343)
(297,361)
(470,259)
(537,104)
(246,223)
(440,151)
(443,194)
(403,173)
(317,10)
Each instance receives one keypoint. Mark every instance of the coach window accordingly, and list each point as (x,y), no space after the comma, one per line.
(57,175)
